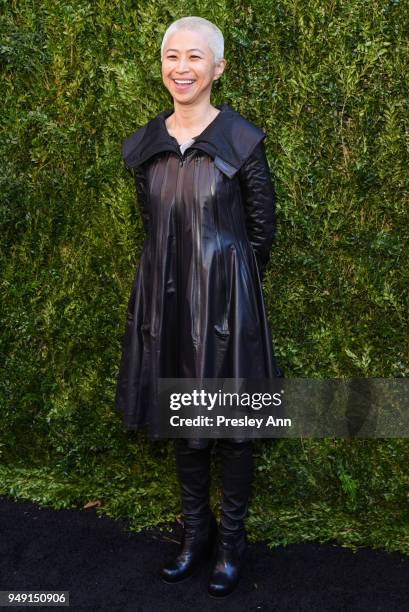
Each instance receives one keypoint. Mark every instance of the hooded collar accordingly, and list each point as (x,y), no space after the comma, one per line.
(229,139)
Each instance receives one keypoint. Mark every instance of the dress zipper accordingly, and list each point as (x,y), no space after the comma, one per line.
(196,233)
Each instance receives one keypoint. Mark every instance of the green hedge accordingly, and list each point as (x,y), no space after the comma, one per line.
(328,84)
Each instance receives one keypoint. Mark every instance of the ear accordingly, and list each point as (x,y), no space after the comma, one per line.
(221,65)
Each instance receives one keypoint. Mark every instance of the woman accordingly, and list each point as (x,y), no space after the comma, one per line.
(196,307)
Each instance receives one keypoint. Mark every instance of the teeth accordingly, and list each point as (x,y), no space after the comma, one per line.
(182,82)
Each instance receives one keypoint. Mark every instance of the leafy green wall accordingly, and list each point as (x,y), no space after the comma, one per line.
(328,82)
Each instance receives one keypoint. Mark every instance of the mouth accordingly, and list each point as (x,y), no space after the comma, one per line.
(183,84)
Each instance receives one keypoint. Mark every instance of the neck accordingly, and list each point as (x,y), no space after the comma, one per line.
(190,116)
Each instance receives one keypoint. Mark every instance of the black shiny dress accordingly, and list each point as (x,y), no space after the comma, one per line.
(196,307)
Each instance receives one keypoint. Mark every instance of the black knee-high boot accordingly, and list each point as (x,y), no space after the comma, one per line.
(200,526)
(236,477)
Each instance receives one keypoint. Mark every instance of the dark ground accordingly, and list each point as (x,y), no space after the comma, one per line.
(105,567)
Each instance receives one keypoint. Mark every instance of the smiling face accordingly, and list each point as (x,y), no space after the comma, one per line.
(188,68)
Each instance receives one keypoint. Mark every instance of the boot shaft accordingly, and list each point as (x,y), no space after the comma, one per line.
(236,480)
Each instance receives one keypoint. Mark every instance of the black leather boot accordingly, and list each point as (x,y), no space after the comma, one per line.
(200,526)
(237,476)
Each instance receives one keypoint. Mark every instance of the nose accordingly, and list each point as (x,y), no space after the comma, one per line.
(182,65)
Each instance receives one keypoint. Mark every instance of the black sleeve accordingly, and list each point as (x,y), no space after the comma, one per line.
(259,202)
(140,179)
(139,174)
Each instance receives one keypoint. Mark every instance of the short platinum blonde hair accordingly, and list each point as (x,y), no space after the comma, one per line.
(214,35)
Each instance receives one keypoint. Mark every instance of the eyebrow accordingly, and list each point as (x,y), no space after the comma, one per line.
(188,50)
